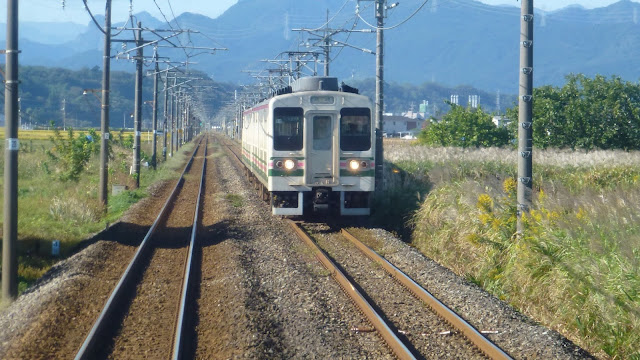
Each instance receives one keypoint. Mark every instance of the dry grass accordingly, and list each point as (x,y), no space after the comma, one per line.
(577,267)
(398,151)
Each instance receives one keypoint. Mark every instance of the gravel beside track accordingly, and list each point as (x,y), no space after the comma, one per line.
(516,334)
(290,304)
(262,293)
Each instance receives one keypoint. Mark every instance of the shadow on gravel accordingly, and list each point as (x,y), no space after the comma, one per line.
(207,236)
(120,232)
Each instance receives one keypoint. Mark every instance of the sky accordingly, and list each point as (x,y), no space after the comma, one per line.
(52,10)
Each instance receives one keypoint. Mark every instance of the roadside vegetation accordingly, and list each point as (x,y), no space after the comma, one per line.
(58,183)
(576,267)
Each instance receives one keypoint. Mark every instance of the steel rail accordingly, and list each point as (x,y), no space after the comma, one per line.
(394,343)
(484,344)
(87,351)
(186,288)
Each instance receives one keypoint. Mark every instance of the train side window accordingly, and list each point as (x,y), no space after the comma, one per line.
(288,128)
(355,129)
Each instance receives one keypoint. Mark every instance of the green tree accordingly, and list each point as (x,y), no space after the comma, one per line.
(586,113)
(465,127)
(72,154)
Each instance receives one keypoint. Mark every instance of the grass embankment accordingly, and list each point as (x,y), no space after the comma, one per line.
(577,267)
(50,208)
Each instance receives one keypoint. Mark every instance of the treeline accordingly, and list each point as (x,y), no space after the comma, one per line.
(45,92)
(586,113)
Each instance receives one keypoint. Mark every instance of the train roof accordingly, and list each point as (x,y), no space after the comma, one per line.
(306,84)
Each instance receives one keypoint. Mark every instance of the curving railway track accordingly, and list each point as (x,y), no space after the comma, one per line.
(411,321)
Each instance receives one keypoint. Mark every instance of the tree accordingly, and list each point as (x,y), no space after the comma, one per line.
(586,113)
(465,127)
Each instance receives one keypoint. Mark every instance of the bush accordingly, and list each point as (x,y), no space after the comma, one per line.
(72,154)
(464,127)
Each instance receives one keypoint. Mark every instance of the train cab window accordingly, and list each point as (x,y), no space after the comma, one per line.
(288,129)
(322,132)
(355,129)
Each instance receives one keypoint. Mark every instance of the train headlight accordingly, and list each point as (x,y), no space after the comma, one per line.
(289,164)
(354,165)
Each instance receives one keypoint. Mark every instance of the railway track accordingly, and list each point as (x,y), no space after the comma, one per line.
(411,321)
(146,315)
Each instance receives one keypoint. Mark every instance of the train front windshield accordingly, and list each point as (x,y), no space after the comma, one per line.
(288,129)
(355,129)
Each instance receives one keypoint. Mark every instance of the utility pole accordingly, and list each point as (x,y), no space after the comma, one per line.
(137,119)
(327,47)
(165,128)
(64,114)
(525,115)
(104,115)
(155,109)
(10,226)
(174,124)
(379,156)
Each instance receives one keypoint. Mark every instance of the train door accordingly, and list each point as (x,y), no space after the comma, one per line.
(321,167)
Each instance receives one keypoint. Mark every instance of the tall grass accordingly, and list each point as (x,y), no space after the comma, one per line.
(577,267)
(52,209)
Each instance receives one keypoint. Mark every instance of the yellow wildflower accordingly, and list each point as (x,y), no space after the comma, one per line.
(485,203)
(509,186)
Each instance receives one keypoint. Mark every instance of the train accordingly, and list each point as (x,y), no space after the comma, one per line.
(310,148)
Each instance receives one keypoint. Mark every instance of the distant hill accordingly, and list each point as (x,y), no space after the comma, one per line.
(56,33)
(452,42)
(43,90)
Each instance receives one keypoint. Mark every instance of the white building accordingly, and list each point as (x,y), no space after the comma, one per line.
(500,121)
(395,125)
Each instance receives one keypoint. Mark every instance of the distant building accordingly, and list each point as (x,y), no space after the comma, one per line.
(501,121)
(397,125)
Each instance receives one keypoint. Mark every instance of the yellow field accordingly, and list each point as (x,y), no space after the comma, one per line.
(47,134)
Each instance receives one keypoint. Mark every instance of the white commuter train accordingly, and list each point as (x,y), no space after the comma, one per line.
(311,148)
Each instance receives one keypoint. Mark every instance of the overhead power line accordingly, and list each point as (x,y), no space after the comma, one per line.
(394,26)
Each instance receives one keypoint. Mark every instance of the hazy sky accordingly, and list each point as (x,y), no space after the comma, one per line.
(51,10)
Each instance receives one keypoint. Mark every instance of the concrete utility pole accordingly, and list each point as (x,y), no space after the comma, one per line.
(174,125)
(137,119)
(64,114)
(327,47)
(165,128)
(525,115)
(172,119)
(379,157)
(155,109)
(104,114)
(10,225)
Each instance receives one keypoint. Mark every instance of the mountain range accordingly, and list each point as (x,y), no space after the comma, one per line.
(453,42)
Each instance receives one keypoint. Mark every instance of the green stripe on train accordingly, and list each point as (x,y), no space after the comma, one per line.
(356,158)
(279,172)
(255,169)
(368,173)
